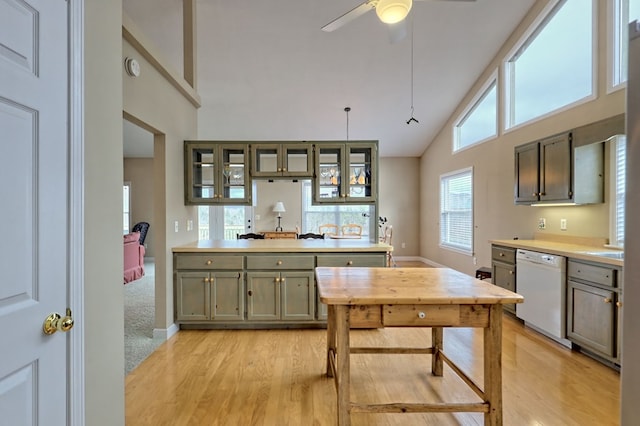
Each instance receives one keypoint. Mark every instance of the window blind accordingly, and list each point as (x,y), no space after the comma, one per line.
(456,210)
(620,185)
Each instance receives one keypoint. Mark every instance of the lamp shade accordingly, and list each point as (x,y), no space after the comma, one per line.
(393,11)
(279,207)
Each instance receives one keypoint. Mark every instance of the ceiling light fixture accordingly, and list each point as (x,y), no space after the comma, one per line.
(393,11)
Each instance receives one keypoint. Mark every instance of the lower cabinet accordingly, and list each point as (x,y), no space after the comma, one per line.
(212,296)
(275,296)
(594,301)
(218,290)
(503,271)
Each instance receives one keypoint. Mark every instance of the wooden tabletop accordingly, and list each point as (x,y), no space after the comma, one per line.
(419,286)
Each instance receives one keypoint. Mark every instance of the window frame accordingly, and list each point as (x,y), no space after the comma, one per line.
(525,40)
(447,244)
(478,98)
(616,34)
(126,209)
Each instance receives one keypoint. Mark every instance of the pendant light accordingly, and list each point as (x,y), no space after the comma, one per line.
(393,11)
(412,119)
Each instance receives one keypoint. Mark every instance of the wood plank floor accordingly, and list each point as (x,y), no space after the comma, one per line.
(276,377)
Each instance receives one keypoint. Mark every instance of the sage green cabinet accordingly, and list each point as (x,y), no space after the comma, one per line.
(273,160)
(503,270)
(552,170)
(345,173)
(593,308)
(275,296)
(210,296)
(216,173)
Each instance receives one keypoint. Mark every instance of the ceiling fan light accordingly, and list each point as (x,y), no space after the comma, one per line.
(393,11)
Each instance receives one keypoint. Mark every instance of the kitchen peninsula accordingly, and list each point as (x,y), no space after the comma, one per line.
(260,283)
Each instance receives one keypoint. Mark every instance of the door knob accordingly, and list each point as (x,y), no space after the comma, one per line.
(54,322)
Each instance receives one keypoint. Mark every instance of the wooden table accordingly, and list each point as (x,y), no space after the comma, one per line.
(414,297)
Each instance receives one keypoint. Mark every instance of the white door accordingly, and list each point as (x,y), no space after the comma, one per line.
(34,210)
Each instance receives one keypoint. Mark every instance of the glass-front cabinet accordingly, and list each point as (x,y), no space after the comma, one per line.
(282,160)
(216,173)
(345,173)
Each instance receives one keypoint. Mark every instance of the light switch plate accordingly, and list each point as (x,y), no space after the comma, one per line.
(563,224)
(542,223)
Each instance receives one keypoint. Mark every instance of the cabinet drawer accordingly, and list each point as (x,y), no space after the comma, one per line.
(203,261)
(435,315)
(367,260)
(596,274)
(503,254)
(280,262)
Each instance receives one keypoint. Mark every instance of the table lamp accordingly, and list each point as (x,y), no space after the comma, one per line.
(279,208)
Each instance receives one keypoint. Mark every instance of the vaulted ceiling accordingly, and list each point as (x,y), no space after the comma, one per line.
(266,71)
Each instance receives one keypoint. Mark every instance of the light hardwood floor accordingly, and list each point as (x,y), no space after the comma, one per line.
(276,377)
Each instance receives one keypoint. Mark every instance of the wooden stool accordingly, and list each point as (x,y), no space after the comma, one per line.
(483,273)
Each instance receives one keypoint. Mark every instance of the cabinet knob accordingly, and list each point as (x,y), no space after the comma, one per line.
(250,293)
(421,315)
(607,300)
(277,279)
(619,304)
(284,170)
(208,262)
(510,272)
(279,262)
(206,280)
(501,255)
(349,263)
(542,194)
(534,195)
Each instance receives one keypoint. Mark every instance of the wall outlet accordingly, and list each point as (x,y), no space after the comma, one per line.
(563,224)
(176,225)
(257,217)
(189,225)
(475,260)
(404,245)
(542,223)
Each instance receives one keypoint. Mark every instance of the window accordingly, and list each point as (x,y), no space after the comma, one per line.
(456,210)
(618,184)
(479,121)
(555,58)
(223,222)
(622,12)
(313,216)
(126,207)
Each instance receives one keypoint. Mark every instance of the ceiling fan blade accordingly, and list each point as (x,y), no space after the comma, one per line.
(461,1)
(397,31)
(354,13)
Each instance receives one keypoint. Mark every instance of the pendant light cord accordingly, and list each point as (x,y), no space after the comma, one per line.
(412,118)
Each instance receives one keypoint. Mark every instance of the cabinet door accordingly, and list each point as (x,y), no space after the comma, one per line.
(235,185)
(526,167)
(360,173)
(192,298)
(297,160)
(555,169)
(504,275)
(263,296)
(329,163)
(298,295)
(590,317)
(201,173)
(227,296)
(266,160)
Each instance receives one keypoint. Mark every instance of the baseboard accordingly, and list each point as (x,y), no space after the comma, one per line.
(165,333)
(418,259)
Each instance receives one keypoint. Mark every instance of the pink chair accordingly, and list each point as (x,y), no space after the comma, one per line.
(133,257)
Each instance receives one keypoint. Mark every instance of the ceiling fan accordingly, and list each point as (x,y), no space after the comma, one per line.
(392,12)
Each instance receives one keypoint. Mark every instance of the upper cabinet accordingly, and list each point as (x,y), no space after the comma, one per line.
(272,160)
(345,173)
(216,173)
(553,170)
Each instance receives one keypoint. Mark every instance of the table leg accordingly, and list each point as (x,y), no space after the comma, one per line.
(436,345)
(331,337)
(493,366)
(343,370)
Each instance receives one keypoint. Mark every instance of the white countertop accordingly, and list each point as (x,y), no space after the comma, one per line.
(576,251)
(283,246)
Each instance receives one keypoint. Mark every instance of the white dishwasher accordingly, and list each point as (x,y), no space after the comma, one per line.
(542,280)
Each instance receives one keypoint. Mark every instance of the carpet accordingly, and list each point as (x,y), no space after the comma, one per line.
(139,314)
